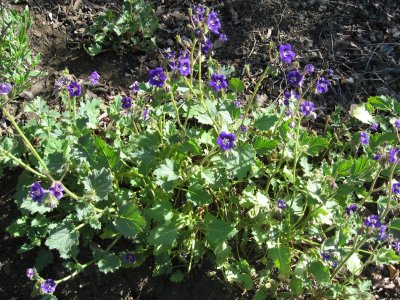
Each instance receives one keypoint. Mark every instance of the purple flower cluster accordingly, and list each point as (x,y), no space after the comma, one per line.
(322,85)
(394,155)
(373,221)
(396,188)
(307,107)
(214,24)
(61,82)
(218,82)
(198,14)
(94,78)
(184,67)
(286,53)
(397,123)
(295,78)
(126,102)
(309,68)
(135,88)
(290,95)
(281,204)
(374,127)
(74,89)
(48,286)
(30,273)
(226,140)
(364,138)
(157,77)
(5,88)
(206,46)
(352,208)
(37,192)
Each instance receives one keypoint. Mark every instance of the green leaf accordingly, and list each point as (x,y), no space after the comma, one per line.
(281,257)
(218,231)
(359,112)
(394,228)
(387,256)
(164,235)
(99,182)
(109,263)
(129,221)
(265,122)
(198,194)
(263,146)
(112,156)
(320,271)
(316,144)
(239,161)
(381,102)
(354,264)
(65,239)
(363,168)
(43,258)
(177,276)
(296,285)
(166,173)
(236,85)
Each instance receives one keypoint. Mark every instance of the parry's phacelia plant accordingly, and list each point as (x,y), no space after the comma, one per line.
(382,233)
(364,138)
(61,83)
(218,82)
(48,286)
(309,68)
(322,85)
(74,89)
(135,88)
(184,67)
(286,53)
(157,77)
(206,46)
(396,188)
(214,24)
(30,273)
(374,127)
(223,38)
(394,155)
(281,204)
(226,140)
(397,123)
(5,89)
(37,192)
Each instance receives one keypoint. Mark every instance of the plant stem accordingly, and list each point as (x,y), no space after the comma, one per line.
(176,109)
(21,163)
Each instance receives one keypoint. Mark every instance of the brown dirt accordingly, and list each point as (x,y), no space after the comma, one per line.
(359,39)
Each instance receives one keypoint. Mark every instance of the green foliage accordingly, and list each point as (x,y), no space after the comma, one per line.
(18,64)
(134,27)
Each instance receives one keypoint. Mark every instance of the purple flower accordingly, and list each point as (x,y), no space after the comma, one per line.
(394,155)
(377,156)
(330,72)
(243,128)
(335,264)
(397,123)
(237,103)
(364,138)
(5,88)
(126,102)
(289,95)
(325,256)
(94,77)
(226,140)
(145,114)
(198,13)
(157,77)
(169,53)
(135,87)
(374,127)
(184,54)
(373,221)
(223,38)
(61,82)
(185,67)
(351,209)
(382,233)
(49,286)
(281,203)
(30,272)
(206,46)
(294,78)
(74,89)
(174,65)
(307,107)
(57,190)
(213,22)
(37,192)
(322,85)
(218,82)
(396,188)
(397,246)
(309,68)
(286,53)
(130,258)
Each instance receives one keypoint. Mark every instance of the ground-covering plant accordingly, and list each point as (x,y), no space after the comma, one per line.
(132,28)
(17,63)
(287,200)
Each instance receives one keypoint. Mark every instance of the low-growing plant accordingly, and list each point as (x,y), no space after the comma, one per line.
(133,28)
(289,200)
(17,63)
